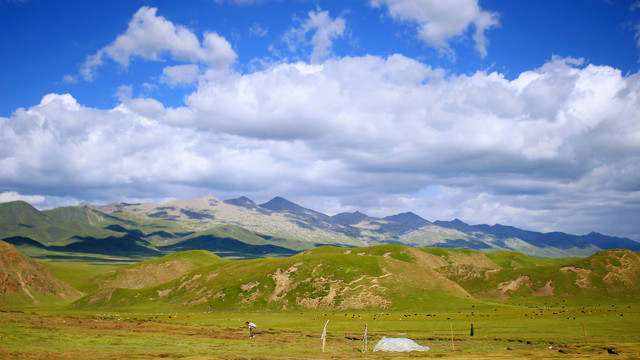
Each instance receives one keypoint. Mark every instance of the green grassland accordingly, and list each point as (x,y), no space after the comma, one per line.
(501,332)
(193,304)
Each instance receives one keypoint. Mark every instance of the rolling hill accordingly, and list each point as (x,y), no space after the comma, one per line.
(53,227)
(609,273)
(379,277)
(384,277)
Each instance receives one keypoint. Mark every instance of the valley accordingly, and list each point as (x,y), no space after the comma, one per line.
(193,305)
(81,283)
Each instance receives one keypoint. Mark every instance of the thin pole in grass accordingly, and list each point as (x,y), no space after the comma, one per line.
(364,340)
(452,346)
(584,328)
(324,335)
(489,343)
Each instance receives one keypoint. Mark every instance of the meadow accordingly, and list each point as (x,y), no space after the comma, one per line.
(573,328)
(599,322)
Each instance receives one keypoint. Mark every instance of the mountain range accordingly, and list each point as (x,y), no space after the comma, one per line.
(240,228)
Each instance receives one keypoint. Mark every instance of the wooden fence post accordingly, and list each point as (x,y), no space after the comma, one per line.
(324,335)
(584,328)
(364,340)
(452,346)
(489,343)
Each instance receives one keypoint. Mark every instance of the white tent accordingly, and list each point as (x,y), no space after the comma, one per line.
(398,345)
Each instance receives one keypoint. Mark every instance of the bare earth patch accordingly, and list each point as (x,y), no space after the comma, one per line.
(583,275)
(283,282)
(511,286)
(625,275)
(546,290)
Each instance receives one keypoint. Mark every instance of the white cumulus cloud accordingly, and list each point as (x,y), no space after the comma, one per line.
(152,37)
(180,74)
(438,22)
(324,30)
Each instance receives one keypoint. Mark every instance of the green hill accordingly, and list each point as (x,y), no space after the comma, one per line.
(156,271)
(55,227)
(382,277)
(19,214)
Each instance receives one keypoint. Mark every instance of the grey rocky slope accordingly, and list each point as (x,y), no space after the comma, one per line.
(280,218)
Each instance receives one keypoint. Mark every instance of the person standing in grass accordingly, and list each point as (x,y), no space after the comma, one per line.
(251,326)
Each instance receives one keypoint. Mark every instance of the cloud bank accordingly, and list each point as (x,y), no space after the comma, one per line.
(557,140)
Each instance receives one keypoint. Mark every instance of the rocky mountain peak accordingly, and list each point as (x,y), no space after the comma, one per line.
(347,218)
(242,201)
(408,219)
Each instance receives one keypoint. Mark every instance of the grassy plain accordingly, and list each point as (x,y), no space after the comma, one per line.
(503,330)
(587,326)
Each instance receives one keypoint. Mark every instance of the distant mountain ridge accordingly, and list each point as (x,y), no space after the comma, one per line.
(157,228)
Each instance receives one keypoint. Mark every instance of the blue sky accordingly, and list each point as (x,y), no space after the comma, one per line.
(46,40)
(522,113)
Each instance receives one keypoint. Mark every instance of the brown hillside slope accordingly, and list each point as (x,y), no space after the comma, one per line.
(611,273)
(21,275)
(617,271)
(157,271)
